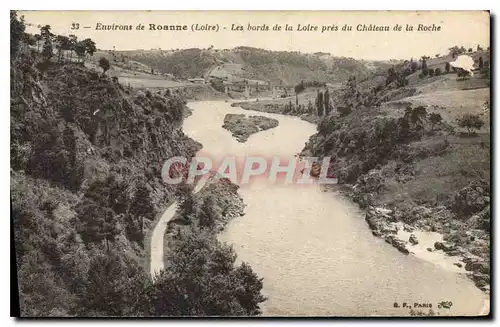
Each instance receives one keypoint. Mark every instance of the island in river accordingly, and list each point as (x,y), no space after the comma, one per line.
(242,127)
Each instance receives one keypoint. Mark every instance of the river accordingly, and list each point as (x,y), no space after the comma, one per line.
(313,248)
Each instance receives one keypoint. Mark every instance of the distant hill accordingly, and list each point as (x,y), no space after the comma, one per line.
(279,67)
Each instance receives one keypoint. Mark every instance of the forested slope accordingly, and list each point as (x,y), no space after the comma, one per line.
(86,160)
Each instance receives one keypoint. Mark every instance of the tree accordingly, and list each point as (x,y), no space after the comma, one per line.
(470,121)
(437,72)
(299,88)
(188,204)
(140,207)
(96,223)
(418,115)
(310,107)
(327,102)
(434,118)
(63,43)
(248,290)
(391,76)
(319,103)
(17,28)
(38,39)
(104,64)
(208,214)
(28,39)
(46,33)
(115,285)
(424,64)
(413,119)
(90,46)
(201,280)
(47,50)
(85,47)
(481,63)
(413,66)
(431,72)
(455,51)
(447,67)
(103,202)
(73,40)
(80,50)
(479,48)
(470,50)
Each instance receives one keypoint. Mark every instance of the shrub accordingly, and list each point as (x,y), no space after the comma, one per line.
(299,87)
(343,111)
(425,71)
(104,64)
(470,121)
(437,72)
(434,119)
(431,72)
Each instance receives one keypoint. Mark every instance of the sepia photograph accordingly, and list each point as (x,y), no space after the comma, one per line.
(250,164)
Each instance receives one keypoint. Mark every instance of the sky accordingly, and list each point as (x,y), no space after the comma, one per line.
(463,28)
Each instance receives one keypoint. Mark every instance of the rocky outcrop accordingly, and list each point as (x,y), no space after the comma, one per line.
(380,222)
(397,243)
(471,199)
(413,239)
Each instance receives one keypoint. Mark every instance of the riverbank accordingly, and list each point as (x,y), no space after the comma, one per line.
(276,106)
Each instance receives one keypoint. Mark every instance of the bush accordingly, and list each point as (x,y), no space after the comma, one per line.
(435,118)
(437,72)
(470,121)
(344,111)
(299,87)
(425,71)
(104,64)
(431,72)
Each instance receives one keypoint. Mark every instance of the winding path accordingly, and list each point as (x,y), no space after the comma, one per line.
(157,246)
